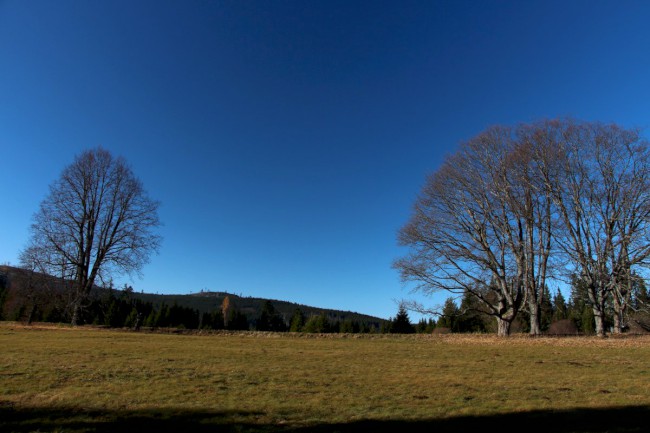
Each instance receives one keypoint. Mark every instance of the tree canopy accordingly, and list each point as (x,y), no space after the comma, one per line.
(96,221)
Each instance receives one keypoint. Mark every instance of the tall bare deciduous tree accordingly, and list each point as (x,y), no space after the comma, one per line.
(96,221)
(461,235)
(531,201)
(602,198)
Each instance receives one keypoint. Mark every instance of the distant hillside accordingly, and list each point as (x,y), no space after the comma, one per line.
(206,302)
(13,279)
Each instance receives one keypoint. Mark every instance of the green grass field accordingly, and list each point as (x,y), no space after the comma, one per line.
(82,380)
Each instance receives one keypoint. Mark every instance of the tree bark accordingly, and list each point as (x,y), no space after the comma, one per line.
(503,327)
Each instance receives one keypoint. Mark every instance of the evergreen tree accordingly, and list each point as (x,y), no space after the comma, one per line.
(468,317)
(132,319)
(449,315)
(269,319)
(237,321)
(640,297)
(349,326)
(150,321)
(386,326)
(425,326)
(560,309)
(402,323)
(112,314)
(587,324)
(3,294)
(297,321)
(212,320)
(162,317)
(365,328)
(317,324)
(546,311)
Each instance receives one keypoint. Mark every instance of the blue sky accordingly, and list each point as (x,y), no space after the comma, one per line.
(287,140)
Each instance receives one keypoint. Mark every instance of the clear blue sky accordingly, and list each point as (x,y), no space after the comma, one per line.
(287,140)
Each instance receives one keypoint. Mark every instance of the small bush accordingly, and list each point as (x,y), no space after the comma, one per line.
(563,327)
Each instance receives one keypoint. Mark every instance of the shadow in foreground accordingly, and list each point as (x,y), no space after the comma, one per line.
(615,420)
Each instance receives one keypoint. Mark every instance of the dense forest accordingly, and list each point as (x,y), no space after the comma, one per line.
(31,297)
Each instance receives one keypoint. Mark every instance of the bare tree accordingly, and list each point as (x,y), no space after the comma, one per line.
(602,199)
(462,235)
(528,201)
(96,221)
(517,207)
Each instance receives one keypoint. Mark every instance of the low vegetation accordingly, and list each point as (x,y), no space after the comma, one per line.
(85,379)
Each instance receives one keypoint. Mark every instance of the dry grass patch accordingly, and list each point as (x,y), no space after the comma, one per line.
(263,381)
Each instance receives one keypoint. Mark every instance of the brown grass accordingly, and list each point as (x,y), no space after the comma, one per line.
(261,381)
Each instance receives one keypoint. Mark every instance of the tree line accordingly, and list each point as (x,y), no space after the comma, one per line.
(516,210)
(29,297)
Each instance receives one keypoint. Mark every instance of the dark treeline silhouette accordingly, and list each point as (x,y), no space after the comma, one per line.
(30,297)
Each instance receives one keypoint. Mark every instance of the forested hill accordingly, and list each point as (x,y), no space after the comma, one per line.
(206,302)
(29,295)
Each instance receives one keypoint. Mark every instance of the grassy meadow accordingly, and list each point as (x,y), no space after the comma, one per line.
(60,379)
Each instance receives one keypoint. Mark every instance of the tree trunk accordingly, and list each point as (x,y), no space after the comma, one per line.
(76,312)
(503,327)
(138,322)
(535,318)
(30,317)
(599,319)
(620,300)
(618,322)
(597,294)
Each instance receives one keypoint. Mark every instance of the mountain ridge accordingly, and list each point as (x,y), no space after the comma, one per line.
(15,278)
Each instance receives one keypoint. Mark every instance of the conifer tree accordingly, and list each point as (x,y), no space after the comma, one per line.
(269,319)
(317,324)
(402,323)
(560,309)
(297,321)
(450,312)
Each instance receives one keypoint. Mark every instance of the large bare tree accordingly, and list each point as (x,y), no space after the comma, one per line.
(96,221)
(462,236)
(516,207)
(602,197)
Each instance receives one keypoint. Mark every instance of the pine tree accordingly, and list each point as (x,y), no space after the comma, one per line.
(297,321)
(317,324)
(402,323)
(546,311)
(269,319)
(237,321)
(3,294)
(468,317)
(560,309)
(449,314)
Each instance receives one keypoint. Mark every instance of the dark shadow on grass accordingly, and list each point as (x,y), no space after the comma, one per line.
(616,420)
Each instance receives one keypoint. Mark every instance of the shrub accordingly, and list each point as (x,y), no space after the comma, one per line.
(563,327)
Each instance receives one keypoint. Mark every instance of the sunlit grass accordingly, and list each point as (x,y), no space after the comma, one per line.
(298,380)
